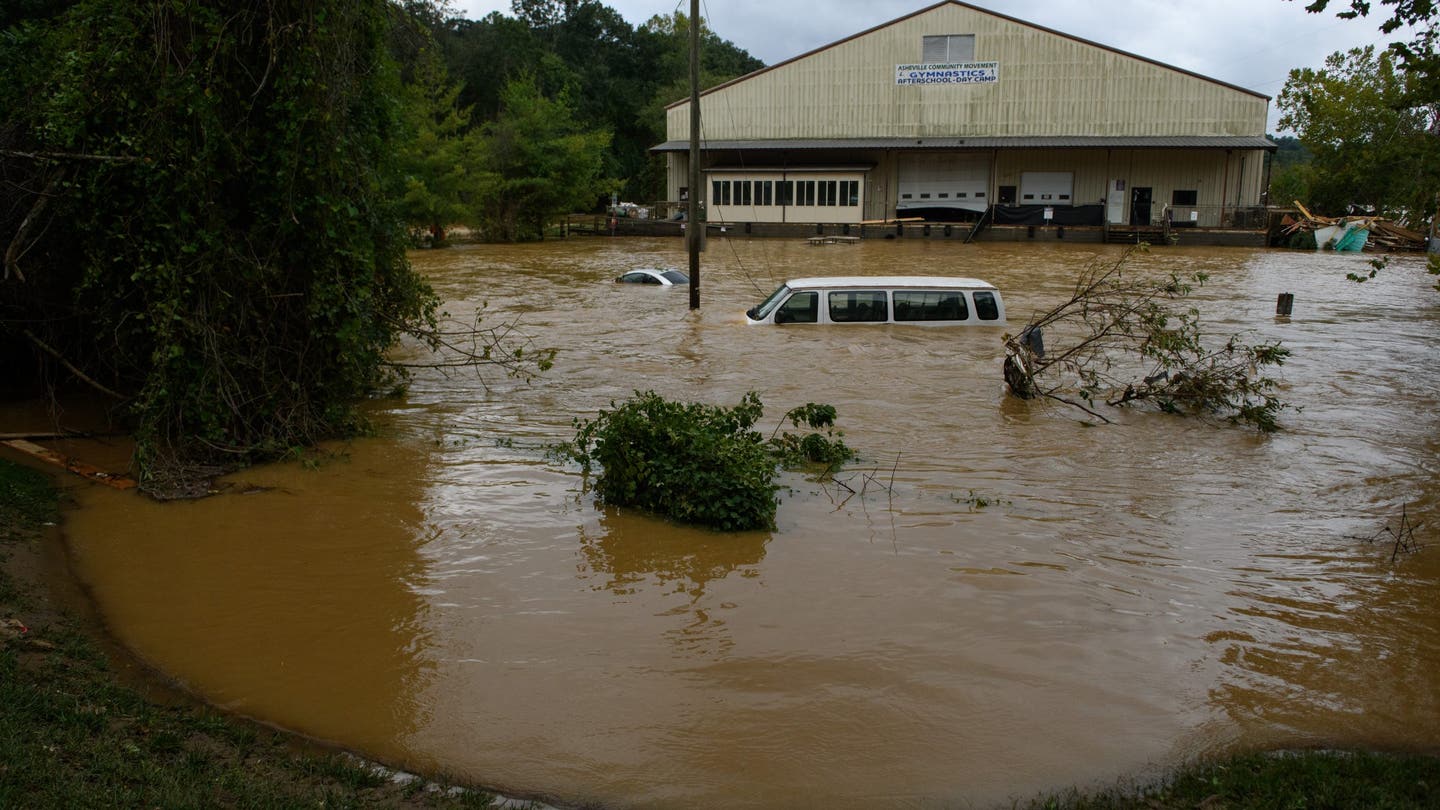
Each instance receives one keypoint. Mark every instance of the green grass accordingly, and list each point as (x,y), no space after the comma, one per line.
(1300,780)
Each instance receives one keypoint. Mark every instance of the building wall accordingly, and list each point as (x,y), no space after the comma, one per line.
(1221,181)
(1049,84)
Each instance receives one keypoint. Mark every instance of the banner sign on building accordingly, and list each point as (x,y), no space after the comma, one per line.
(955,73)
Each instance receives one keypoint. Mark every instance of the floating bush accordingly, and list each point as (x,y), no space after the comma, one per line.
(696,463)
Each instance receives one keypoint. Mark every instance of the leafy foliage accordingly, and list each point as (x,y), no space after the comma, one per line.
(1371,146)
(1418,57)
(618,77)
(217,239)
(535,161)
(437,155)
(796,449)
(697,463)
(1124,339)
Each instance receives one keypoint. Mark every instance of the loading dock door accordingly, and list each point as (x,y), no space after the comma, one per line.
(1047,188)
(937,180)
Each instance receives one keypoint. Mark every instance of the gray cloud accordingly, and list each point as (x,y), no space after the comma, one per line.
(1250,43)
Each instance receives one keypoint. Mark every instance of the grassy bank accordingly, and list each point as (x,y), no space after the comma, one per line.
(1310,780)
(72,735)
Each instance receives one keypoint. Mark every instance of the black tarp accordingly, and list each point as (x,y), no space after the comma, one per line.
(1062,214)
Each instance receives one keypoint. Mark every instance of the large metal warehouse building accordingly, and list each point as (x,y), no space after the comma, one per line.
(954,113)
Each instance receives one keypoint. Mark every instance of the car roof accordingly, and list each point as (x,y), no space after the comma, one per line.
(945,282)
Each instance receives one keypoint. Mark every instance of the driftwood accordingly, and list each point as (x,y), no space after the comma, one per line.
(76,466)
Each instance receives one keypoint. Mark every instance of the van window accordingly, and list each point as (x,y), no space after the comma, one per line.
(930,306)
(857,306)
(986,309)
(802,307)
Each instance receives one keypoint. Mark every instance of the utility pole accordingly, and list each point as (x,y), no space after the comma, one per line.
(694,226)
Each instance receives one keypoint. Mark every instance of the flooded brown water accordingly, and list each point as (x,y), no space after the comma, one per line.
(1035,603)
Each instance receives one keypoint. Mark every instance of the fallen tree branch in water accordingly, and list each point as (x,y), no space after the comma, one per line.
(1125,339)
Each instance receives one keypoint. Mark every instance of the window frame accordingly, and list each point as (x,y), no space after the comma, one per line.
(873,299)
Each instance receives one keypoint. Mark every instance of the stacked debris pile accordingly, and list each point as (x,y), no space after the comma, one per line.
(1349,233)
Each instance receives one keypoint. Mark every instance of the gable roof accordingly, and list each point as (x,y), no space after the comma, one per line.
(977,9)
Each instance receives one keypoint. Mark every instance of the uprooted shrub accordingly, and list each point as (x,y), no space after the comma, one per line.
(1123,339)
(700,464)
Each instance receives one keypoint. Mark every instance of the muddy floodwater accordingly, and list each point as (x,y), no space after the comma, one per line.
(1011,600)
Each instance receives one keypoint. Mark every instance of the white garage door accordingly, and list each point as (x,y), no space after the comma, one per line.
(944,181)
(1047,188)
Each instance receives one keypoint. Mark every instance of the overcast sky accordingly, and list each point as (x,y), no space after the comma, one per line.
(1250,43)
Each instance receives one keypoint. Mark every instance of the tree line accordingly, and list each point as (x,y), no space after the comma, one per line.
(1367,123)
(558,105)
(205,207)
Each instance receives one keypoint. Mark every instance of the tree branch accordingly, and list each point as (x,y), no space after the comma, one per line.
(71,366)
(11,153)
(17,247)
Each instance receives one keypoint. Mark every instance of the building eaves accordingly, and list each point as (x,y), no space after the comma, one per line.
(1019,142)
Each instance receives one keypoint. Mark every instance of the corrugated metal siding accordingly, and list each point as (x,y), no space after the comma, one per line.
(1049,85)
(1220,177)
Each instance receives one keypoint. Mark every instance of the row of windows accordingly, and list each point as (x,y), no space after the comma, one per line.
(785,192)
(860,306)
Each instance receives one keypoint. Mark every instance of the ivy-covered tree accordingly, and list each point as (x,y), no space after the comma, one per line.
(1370,146)
(198,216)
(536,162)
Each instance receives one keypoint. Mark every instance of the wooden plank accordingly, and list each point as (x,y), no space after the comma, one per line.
(76,466)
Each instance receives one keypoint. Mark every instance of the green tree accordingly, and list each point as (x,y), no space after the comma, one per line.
(613,74)
(668,37)
(1417,57)
(484,55)
(206,225)
(1290,171)
(437,158)
(537,162)
(1370,146)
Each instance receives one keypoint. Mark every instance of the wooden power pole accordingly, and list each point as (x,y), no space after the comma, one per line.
(694,226)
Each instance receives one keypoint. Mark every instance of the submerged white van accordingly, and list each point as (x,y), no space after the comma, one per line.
(920,300)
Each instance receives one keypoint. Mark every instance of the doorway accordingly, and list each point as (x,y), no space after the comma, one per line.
(1140,205)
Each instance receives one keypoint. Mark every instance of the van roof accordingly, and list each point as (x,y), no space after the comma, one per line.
(946,282)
